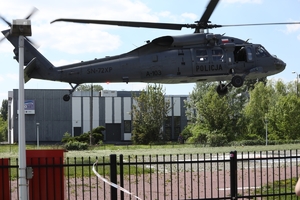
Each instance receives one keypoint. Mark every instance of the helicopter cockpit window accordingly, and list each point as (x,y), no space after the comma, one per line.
(261,52)
(217,55)
(249,54)
(201,55)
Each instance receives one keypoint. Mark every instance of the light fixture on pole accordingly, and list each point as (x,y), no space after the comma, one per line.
(266,122)
(21,28)
(297,81)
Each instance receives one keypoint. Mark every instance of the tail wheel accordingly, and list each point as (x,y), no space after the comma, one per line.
(222,89)
(66,97)
(237,81)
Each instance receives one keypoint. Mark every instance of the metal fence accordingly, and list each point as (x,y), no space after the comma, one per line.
(245,175)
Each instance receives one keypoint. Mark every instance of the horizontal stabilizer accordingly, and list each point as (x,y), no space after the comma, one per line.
(28,69)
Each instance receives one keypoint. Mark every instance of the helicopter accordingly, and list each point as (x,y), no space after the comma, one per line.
(188,58)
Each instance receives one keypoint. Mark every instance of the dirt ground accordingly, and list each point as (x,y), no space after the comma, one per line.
(173,185)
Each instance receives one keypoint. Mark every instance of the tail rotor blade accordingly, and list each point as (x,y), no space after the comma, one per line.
(8,23)
(34,10)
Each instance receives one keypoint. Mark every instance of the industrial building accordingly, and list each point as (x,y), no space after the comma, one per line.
(47,115)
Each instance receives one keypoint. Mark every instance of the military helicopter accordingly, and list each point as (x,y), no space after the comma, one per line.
(199,56)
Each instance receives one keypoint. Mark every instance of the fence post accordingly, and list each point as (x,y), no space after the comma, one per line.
(121,175)
(113,176)
(233,175)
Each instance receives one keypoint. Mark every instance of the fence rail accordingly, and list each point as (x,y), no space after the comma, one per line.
(245,175)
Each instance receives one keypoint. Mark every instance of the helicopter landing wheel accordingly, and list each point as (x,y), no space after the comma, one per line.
(222,89)
(237,81)
(66,97)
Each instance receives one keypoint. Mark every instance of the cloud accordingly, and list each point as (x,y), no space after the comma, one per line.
(190,16)
(12,76)
(76,38)
(244,1)
(291,28)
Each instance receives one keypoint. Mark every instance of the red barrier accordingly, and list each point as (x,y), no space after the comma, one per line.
(4,179)
(48,174)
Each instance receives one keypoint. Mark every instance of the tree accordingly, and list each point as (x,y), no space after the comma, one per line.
(261,99)
(87,87)
(150,110)
(215,118)
(3,130)
(4,109)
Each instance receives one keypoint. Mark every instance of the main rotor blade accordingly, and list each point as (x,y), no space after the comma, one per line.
(208,12)
(261,24)
(129,23)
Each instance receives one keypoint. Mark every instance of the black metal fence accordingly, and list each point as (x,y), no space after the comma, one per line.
(245,175)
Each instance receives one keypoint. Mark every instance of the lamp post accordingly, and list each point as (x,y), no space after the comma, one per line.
(38,135)
(297,80)
(21,28)
(266,122)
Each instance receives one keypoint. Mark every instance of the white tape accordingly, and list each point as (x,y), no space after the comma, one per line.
(112,184)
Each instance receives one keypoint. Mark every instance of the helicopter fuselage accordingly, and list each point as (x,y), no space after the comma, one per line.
(185,59)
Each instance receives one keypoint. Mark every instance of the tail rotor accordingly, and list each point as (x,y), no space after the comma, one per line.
(7,33)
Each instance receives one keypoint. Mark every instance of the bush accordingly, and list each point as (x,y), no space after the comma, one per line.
(75,145)
(85,137)
(186,132)
(67,138)
(215,139)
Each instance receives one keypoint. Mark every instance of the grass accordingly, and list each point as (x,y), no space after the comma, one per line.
(279,187)
(11,151)
(85,158)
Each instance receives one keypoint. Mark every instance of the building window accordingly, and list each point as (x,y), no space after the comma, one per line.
(177,127)
(127,126)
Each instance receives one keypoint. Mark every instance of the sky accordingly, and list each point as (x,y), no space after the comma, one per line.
(65,43)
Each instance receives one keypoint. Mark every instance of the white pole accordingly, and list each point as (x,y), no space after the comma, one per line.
(266,120)
(23,195)
(38,135)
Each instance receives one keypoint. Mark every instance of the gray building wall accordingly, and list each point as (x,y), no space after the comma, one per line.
(52,113)
(56,117)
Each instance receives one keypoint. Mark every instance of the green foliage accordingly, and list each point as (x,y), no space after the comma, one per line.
(149,114)
(186,132)
(243,115)
(212,113)
(4,110)
(96,135)
(67,138)
(3,130)
(199,134)
(87,87)
(75,145)
(216,139)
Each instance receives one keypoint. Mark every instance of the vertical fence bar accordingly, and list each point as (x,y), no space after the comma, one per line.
(144,191)
(178,184)
(136,176)
(198,176)
(184,176)
(233,174)
(218,176)
(191,175)
(150,161)
(121,175)
(204,169)
(90,178)
(171,175)
(113,176)
(82,177)
(157,177)
(164,175)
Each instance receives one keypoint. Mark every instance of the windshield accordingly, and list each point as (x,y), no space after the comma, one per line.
(260,51)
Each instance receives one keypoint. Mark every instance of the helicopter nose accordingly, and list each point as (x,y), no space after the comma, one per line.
(279,65)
